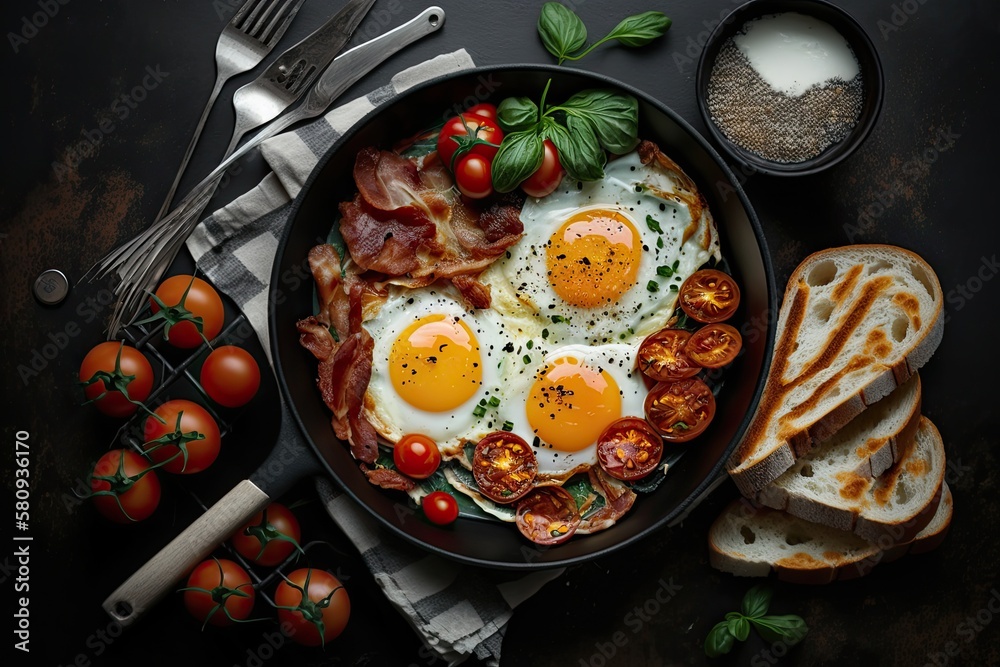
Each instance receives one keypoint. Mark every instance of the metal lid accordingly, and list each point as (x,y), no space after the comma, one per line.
(51,287)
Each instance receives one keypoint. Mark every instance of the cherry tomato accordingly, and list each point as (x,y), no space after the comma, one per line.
(629,449)
(474,127)
(230,376)
(187,435)
(185,299)
(269,537)
(548,176)
(485,109)
(474,176)
(116,373)
(312,624)
(714,345)
(663,357)
(416,456)
(123,487)
(709,296)
(219,592)
(548,515)
(440,507)
(680,410)
(504,466)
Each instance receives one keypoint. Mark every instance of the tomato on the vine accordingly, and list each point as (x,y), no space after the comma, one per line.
(116,378)
(474,176)
(182,436)
(468,133)
(548,176)
(124,487)
(230,376)
(219,592)
(190,308)
(314,604)
(440,507)
(416,456)
(269,537)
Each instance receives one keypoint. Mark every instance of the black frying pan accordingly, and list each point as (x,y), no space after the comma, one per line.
(496,544)
(485,543)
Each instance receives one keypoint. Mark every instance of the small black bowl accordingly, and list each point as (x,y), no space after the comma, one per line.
(864,50)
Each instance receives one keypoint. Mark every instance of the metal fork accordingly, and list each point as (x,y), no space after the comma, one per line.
(290,75)
(244,43)
(138,264)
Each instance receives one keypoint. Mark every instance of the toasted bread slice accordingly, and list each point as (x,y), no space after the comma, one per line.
(854,324)
(887,510)
(866,448)
(752,541)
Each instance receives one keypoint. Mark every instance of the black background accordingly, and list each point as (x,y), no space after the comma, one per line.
(940,60)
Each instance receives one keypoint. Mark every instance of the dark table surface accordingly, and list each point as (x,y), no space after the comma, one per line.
(101,99)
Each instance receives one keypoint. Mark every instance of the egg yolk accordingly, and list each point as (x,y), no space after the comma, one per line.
(593,258)
(570,404)
(435,364)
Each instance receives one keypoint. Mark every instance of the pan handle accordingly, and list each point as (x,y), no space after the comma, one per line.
(160,574)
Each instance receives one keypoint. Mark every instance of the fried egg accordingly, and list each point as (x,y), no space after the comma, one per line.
(602,261)
(566,399)
(434,362)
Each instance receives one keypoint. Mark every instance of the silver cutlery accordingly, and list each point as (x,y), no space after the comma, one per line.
(139,263)
(244,43)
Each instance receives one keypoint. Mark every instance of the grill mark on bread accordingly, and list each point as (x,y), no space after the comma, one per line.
(910,305)
(842,289)
(852,485)
(800,561)
(777,387)
(888,481)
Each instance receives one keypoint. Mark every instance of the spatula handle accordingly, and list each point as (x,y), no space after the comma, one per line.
(162,572)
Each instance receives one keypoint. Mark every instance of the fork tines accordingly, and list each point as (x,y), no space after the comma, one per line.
(253,18)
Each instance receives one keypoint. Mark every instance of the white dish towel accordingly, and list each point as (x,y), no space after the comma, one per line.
(456,610)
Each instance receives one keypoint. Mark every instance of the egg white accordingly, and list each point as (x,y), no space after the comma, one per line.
(520,287)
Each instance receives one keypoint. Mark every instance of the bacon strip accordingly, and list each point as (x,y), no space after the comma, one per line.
(316,337)
(619,501)
(343,381)
(388,479)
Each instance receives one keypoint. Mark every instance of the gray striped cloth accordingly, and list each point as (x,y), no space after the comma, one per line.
(456,610)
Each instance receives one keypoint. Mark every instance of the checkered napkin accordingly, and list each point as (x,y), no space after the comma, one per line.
(456,610)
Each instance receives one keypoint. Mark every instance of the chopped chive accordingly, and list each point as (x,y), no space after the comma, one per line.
(653,225)
(556,319)
(508,426)
(653,286)
(482,401)
(673,287)
(622,336)
(494,401)
(530,344)
(479,411)
(545,333)
(526,359)
(659,242)
(677,263)
(664,271)
(682,426)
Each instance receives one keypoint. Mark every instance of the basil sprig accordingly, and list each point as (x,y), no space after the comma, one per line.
(585,127)
(753,612)
(565,36)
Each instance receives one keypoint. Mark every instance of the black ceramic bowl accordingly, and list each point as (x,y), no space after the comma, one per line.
(492,543)
(864,50)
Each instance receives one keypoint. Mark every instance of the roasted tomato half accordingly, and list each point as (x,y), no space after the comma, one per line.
(680,410)
(663,357)
(504,466)
(709,295)
(629,448)
(714,345)
(548,515)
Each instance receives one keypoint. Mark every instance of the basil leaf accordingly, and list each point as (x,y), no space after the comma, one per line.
(739,627)
(519,156)
(579,151)
(517,113)
(640,29)
(561,30)
(719,640)
(789,629)
(615,118)
(756,601)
